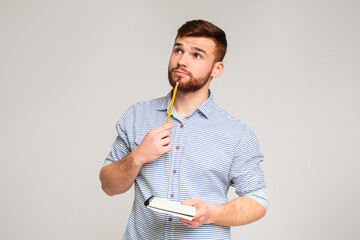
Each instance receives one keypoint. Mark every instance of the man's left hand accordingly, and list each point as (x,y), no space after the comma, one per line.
(203,212)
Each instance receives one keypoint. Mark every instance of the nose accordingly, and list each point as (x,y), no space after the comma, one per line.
(183,60)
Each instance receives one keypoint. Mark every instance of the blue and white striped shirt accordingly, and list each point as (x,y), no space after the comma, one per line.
(211,151)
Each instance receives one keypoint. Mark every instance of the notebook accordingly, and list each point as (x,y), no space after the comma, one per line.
(164,205)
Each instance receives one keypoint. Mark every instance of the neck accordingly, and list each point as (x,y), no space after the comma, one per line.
(186,102)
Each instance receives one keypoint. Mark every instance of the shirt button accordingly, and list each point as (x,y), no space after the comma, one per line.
(177,147)
(172,195)
(174,171)
(170,219)
(181,126)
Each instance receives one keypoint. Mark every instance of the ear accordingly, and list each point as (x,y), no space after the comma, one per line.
(217,69)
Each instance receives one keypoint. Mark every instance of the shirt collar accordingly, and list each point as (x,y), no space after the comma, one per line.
(206,108)
(165,103)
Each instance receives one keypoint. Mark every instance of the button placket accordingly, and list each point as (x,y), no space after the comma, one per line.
(175,188)
(175,156)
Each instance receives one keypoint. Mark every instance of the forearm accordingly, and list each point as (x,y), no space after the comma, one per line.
(240,211)
(118,177)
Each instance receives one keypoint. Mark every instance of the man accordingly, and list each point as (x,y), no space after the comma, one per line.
(194,158)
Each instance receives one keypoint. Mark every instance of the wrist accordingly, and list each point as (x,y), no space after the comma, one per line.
(213,213)
(136,158)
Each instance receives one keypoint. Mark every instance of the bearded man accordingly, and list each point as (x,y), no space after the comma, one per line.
(194,158)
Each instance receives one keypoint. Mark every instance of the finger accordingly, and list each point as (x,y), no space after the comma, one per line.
(167,148)
(186,223)
(164,127)
(190,201)
(191,224)
(183,220)
(165,141)
(164,134)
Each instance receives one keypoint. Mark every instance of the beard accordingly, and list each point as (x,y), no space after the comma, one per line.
(192,85)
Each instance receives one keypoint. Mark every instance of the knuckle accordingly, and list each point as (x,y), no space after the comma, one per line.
(150,133)
(153,137)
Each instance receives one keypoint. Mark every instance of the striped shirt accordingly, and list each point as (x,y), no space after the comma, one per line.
(211,152)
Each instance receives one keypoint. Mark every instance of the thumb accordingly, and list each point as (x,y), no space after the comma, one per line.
(190,201)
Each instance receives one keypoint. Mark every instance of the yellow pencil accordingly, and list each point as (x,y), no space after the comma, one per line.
(172,102)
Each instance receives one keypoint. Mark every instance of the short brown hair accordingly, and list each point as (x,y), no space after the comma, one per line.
(202,28)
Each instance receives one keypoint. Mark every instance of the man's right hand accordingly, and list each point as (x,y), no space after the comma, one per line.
(155,143)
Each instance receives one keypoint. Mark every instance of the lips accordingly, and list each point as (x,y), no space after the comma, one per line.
(180,73)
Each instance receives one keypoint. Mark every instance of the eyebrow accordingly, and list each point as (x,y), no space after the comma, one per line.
(195,48)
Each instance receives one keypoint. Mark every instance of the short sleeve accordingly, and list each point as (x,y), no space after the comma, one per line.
(121,146)
(246,174)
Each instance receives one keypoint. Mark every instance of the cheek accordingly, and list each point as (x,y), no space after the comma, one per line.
(203,70)
(173,60)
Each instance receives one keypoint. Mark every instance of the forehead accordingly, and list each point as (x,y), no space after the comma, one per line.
(204,43)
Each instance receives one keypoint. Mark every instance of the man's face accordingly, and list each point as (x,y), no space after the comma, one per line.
(191,63)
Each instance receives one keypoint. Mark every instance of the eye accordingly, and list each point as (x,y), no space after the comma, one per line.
(178,50)
(197,55)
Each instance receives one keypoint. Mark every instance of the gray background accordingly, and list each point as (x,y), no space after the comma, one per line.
(69,69)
